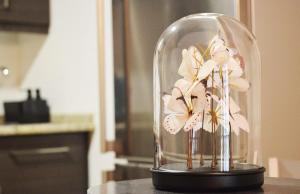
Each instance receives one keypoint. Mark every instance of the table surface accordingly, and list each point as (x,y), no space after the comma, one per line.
(144,186)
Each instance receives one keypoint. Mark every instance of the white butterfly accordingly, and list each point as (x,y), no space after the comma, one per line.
(230,74)
(193,66)
(180,113)
(226,66)
(237,120)
(221,116)
(218,51)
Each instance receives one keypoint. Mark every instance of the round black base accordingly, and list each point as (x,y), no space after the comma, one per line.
(196,181)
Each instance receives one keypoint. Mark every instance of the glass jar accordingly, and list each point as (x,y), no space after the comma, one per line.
(207,106)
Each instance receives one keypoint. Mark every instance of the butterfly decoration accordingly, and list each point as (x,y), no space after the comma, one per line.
(198,99)
(184,111)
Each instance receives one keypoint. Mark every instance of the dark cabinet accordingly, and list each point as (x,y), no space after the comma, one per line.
(24,15)
(45,164)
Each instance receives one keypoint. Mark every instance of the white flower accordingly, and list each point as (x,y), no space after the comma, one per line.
(237,120)
(230,73)
(189,106)
(193,66)
(226,117)
(218,51)
(226,67)
(180,113)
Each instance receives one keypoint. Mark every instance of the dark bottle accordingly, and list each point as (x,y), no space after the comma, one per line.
(28,109)
(43,114)
(29,96)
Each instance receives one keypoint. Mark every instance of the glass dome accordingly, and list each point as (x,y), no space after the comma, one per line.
(207,99)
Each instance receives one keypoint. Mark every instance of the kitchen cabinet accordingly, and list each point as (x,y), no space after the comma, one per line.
(28,16)
(49,163)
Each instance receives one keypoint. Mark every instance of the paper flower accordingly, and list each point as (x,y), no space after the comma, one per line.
(193,103)
(237,121)
(227,67)
(181,114)
(217,117)
(193,67)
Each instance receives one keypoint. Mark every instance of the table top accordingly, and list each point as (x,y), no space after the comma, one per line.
(271,186)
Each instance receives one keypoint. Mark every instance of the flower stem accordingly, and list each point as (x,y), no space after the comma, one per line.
(190,148)
(230,148)
(213,161)
(215,139)
(201,141)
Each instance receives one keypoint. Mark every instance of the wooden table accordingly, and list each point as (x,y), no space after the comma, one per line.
(144,186)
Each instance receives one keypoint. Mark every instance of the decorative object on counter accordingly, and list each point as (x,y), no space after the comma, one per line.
(207,106)
(29,111)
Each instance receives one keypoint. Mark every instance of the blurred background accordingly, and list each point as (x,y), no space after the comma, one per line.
(76,87)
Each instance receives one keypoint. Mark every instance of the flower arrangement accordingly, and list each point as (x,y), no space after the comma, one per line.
(201,100)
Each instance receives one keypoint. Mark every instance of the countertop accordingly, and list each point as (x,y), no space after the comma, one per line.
(58,124)
(144,186)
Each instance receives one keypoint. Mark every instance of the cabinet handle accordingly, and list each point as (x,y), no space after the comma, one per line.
(5,5)
(40,155)
(41,151)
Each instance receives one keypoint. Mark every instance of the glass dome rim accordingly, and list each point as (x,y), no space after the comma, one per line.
(192,16)
(210,15)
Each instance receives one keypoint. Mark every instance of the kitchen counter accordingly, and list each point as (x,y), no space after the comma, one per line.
(58,124)
(271,186)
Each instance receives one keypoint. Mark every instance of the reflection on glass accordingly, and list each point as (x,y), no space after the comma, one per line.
(137,27)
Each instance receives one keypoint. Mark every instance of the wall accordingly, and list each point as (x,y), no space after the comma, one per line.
(277,28)
(9,55)
(66,67)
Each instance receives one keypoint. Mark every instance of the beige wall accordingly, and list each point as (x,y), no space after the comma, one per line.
(17,53)
(277,28)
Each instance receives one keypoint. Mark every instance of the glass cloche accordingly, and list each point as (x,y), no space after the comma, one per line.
(207,106)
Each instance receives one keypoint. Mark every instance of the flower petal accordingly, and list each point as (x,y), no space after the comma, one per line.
(241,122)
(234,68)
(196,57)
(183,85)
(233,107)
(193,121)
(191,61)
(232,51)
(174,122)
(186,87)
(207,123)
(199,100)
(206,69)
(176,103)
(239,84)
(186,70)
(221,57)
(216,45)
(234,127)
(217,81)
